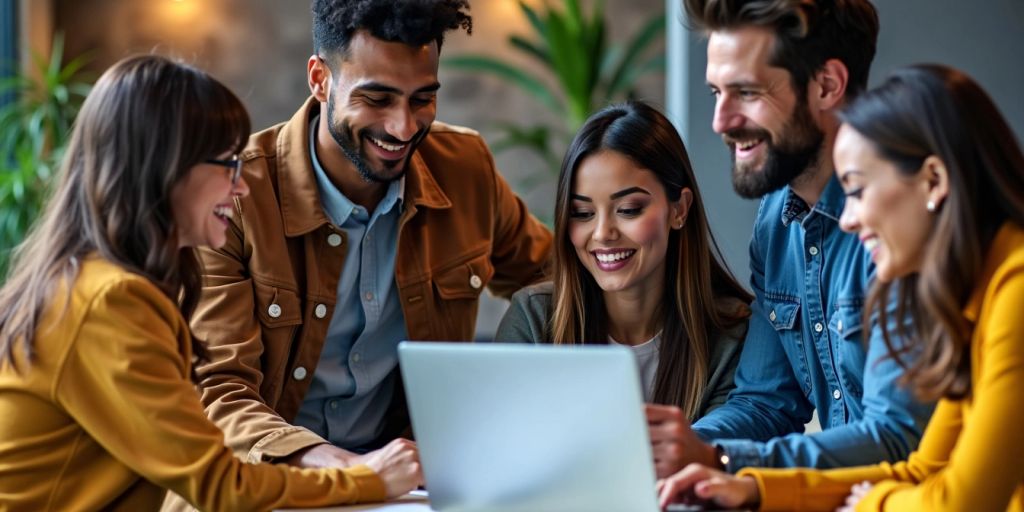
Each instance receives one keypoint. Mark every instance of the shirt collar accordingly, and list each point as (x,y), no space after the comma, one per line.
(830,204)
(339,207)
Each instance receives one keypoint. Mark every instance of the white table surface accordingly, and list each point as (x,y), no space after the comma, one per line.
(415,501)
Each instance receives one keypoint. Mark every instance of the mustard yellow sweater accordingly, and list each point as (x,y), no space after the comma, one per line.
(106,417)
(972,454)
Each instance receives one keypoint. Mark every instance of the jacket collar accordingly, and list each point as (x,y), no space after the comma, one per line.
(301,208)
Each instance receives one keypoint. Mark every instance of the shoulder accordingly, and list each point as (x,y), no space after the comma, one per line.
(536,297)
(527,316)
(454,147)
(107,288)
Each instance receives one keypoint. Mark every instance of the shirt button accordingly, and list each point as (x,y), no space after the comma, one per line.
(368,237)
(818,327)
(368,296)
(813,250)
(475,281)
(274,311)
(771,316)
(320,311)
(299,373)
(836,394)
(333,239)
(355,357)
(333,404)
(839,326)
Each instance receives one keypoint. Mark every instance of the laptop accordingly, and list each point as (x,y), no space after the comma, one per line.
(529,428)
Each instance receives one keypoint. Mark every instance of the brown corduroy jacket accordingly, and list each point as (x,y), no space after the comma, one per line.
(270,292)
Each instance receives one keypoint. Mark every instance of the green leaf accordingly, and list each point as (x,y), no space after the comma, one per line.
(624,76)
(522,79)
(652,64)
(539,26)
(530,49)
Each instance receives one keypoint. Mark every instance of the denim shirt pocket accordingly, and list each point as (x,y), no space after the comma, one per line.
(846,330)
(784,315)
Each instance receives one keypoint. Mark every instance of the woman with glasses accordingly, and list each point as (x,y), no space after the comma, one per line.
(97,410)
(935,189)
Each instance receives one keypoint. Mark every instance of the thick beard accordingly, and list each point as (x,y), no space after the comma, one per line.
(342,135)
(796,153)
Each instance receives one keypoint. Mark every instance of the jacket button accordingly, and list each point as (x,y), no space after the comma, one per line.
(839,326)
(274,311)
(299,373)
(818,327)
(475,281)
(837,394)
(333,239)
(320,311)
(771,316)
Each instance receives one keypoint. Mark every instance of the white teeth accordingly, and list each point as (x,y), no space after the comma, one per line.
(616,256)
(385,145)
(224,211)
(747,145)
(870,244)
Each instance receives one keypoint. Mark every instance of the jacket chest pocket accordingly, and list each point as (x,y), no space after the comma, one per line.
(457,291)
(784,315)
(845,328)
(280,313)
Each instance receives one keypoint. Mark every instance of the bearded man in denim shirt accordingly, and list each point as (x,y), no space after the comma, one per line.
(780,70)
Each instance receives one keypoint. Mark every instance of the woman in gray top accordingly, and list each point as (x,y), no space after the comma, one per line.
(635,263)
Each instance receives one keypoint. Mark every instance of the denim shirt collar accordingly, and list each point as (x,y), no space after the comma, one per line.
(338,207)
(830,204)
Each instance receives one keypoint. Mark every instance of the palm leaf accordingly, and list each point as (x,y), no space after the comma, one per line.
(522,79)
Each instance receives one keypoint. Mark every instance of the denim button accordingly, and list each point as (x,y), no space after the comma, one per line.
(837,394)
(813,250)
(818,327)
(771,316)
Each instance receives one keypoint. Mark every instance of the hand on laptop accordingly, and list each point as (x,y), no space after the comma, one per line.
(673,441)
(398,464)
(709,485)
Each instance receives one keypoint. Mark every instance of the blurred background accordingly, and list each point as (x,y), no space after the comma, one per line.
(527,76)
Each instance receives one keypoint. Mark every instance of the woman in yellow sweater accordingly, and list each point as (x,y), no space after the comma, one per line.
(96,407)
(935,189)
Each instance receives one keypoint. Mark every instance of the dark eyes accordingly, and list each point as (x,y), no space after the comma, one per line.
(384,101)
(855,193)
(628,212)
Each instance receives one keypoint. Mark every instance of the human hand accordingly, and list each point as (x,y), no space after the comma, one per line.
(857,493)
(673,442)
(706,484)
(323,456)
(398,465)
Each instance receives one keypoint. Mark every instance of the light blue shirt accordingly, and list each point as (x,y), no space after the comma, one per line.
(805,351)
(356,377)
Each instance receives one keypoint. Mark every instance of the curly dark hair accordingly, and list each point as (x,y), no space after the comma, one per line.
(807,32)
(413,22)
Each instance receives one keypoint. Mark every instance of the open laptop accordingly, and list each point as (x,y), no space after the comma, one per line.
(529,428)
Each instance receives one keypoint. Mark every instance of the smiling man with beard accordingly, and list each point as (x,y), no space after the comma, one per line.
(367,223)
(780,70)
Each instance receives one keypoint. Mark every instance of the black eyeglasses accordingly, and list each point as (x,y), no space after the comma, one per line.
(235,164)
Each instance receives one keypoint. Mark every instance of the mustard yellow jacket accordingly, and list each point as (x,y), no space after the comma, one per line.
(105,417)
(972,454)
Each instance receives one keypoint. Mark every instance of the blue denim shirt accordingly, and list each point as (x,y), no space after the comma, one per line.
(356,377)
(805,351)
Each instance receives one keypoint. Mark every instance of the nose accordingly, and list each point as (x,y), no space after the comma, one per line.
(401,124)
(849,220)
(240,188)
(726,117)
(605,230)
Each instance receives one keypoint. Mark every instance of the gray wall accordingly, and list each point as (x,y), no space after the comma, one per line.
(983,38)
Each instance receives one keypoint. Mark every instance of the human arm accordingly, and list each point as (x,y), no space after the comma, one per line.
(125,382)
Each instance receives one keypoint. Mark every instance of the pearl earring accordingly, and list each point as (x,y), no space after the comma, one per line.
(930,206)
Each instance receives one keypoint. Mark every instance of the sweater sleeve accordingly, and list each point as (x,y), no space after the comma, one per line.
(971,456)
(125,381)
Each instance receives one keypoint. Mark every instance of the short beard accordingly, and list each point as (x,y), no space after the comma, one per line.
(796,152)
(342,135)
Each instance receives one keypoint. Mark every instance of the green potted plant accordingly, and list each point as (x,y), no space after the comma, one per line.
(589,72)
(33,133)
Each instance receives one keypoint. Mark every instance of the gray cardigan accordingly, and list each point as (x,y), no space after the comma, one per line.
(527,318)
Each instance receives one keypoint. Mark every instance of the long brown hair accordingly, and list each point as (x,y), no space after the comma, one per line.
(917,112)
(696,306)
(145,124)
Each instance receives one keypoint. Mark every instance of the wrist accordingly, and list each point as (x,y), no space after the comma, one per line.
(720,459)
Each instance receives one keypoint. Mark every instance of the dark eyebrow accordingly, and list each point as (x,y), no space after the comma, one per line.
(581,198)
(743,84)
(628,191)
(379,87)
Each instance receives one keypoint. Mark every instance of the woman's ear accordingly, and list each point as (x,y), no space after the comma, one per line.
(936,178)
(681,209)
(319,77)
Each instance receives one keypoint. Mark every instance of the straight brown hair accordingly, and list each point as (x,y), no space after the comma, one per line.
(702,299)
(146,123)
(926,110)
